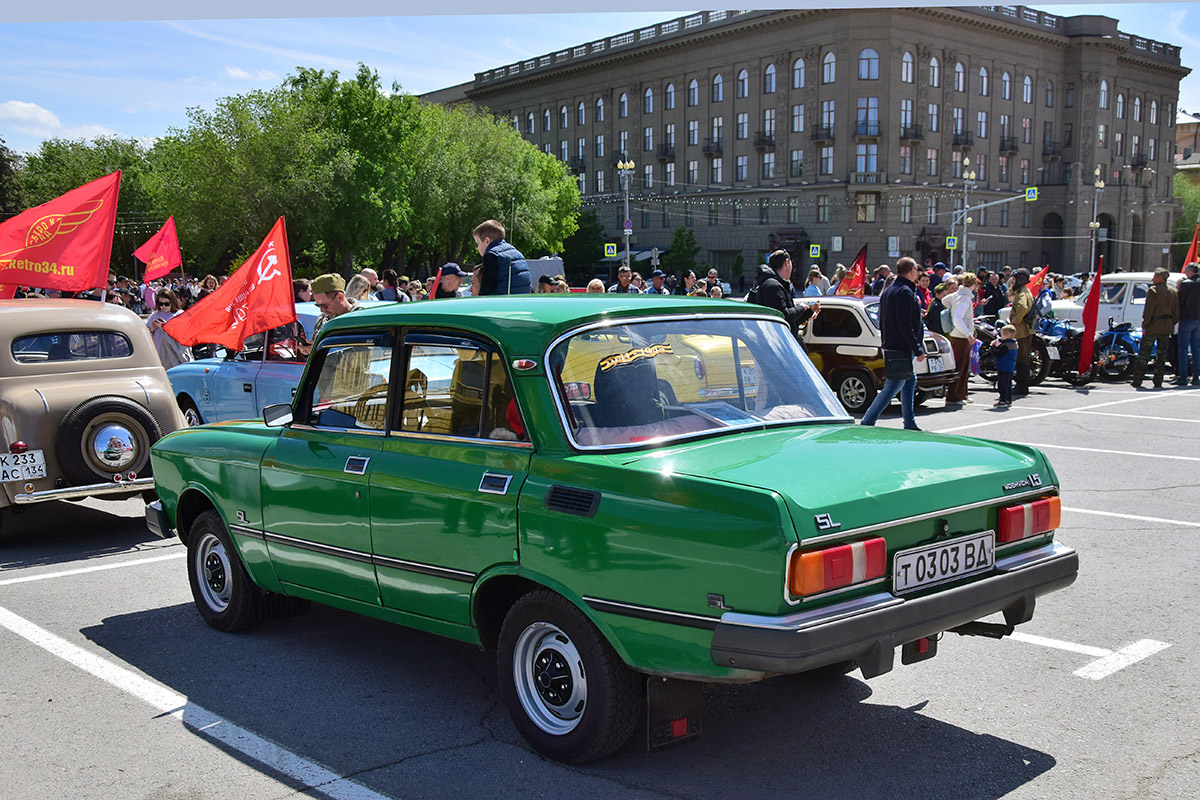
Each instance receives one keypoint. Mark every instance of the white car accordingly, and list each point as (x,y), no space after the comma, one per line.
(1123,296)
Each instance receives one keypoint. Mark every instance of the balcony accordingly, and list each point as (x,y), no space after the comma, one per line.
(911,133)
(1051,149)
(865,129)
(868,177)
(578,165)
(964,140)
(820,133)
(1008,144)
(666,152)
(764,140)
(1139,161)
(713,147)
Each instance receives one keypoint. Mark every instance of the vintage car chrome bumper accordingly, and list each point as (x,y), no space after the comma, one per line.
(91,490)
(868,629)
(157,521)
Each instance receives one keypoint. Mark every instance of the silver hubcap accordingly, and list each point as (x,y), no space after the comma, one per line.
(854,391)
(550,679)
(213,572)
(114,446)
(192,417)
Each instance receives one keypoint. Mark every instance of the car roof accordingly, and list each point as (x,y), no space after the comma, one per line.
(527,323)
(34,315)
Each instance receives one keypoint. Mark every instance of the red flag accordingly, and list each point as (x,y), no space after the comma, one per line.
(1035,283)
(160,253)
(855,281)
(64,243)
(1191,253)
(1091,310)
(256,298)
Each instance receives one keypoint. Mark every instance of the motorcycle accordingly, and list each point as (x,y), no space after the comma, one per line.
(1064,349)
(1041,353)
(1116,351)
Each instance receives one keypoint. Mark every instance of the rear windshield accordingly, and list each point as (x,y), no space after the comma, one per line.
(73,346)
(644,381)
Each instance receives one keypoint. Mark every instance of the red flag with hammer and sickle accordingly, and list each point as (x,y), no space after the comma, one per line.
(64,243)
(256,298)
(160,253)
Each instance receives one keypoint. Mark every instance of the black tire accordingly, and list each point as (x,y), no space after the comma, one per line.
(224,595)
(921,396)
(568,693)
(191,414)
(1116,362)
(125,423)
(855,389)
(1039,363)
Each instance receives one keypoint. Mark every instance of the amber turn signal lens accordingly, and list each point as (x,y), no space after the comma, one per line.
(836,567)
(1015,523)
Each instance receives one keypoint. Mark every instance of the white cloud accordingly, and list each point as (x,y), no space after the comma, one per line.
(29,118)
(242,75)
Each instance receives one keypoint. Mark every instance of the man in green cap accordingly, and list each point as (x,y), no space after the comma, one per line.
(329,295)
(1159,318)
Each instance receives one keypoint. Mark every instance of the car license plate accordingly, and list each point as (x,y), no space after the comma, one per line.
(936,364)
(749,377)
(1052,352)
(22,466)
(932,564)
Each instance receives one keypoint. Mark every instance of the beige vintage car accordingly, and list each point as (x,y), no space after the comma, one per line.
(82,398)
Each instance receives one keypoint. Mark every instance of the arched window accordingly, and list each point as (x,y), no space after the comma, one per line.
(935,73)
(1153,112)
(529,122)
(623,106)
(1104,94)
(742,85)
(907,67)
(546,120)
(1137,109)
(581,114)
(648,101)
(1027,90)
(829,68)
(1049,94)
(600,110)
(516,123)
(718,89)
(562,117)
(983,82)
(693,92)
(960,78)
(669,97)
(1006,86)
(1120,106)
(769,79)
(798,74)
(868,65)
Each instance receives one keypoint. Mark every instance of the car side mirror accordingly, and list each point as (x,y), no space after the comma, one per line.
(277,416)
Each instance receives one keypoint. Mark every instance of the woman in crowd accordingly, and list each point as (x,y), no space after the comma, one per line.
(207,287)
(391,286)
(302,290)
(595,286)
(687,282)
(813,289)
(357,288)
(416,291)
(166,307)
(962,335)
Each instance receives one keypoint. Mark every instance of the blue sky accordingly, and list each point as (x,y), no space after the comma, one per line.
(76,79)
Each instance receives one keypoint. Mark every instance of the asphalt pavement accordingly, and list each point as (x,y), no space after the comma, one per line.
(113,687)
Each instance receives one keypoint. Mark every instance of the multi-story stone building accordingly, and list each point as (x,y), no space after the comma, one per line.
(840,128)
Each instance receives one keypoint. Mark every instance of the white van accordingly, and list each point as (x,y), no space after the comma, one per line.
(1123,296)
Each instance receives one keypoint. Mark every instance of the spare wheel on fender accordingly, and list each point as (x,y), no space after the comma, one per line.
(103,437)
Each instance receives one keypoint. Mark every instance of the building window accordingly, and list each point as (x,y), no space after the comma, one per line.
(600,110)
(931,211)
(580,147)
(906,113)
(712,213)
(669,97)
(822,208)
(581,181)
(648,138)
(529,122)
(796,164)
(1005,126)
(868,65)
(600,146)
(1153,112)
(562,150)
(1102,135)
(907,67)
(829,68)
(932,120)
(1027,90)
(1119,144)
(1104,94)
(623,106)
(693,173)
(648,176)
(793,210)
(740,167)
(1024,171)
(1025,224)
(741,126)
(956,158)
(798,118)
(546,120)
(826,165)
(1047,133)
(981,124)
(1026,130)
(693,97)
(905,159)
(959,117)
(737,212)
(714,172)
(1069,96)
(768,166)
(600,182)
(769,121)
(669,171)
(666,215)
(742,84)
(1135,143)
(1004,216)
(1006,86)
(581,114)
(669,134)
(1049,94)
(960,78)
(693,131)
(984,87)
(868,116)
(546,148)
(1002,169)
(645,216)
(931,162)
(866,157)
(935,73)
(798,73)
(688,219)
(866,203)
(623,142)
(562,117)
(718,126)
(718,89)
(769,79)
(516,123)
(827,114)
(648,102)
(981,168)
(1120,106)
(1068,134)
(906,209)
(1151,149)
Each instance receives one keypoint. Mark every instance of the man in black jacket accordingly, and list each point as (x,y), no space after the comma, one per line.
(1189,325)
(773,289)
(995,296)
(903,335)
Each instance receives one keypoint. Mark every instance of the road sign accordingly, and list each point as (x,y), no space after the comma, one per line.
(814,251)
(1102,235)
(654,256)
(951,242)
(1031,194)
(628,224)
(610,249)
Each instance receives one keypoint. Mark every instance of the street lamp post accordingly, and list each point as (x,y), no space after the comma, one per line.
(1094,225)
(968,180)
(625,170)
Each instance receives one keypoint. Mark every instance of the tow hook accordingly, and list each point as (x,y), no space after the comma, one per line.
(992,630)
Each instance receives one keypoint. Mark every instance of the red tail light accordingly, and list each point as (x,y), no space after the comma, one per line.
(836,567)
(701,370)
(1029,519)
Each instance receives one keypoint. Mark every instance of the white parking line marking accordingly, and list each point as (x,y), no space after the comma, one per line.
(1193,420)
(1106,661)
(1130,654)
(1008,420)
(309,774)
(1109,452)
(99,567)
(1187,523)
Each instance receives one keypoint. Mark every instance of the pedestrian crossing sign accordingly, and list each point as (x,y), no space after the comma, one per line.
(814,251)
(951,242)
(1031,194)
(610,249)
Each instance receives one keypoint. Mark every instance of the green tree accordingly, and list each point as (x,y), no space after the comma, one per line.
(1188,193)
(11,196)
(684,252)
(583,249)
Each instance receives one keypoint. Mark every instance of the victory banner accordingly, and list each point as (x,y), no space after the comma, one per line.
(160,253)
(854,283)
(256,298)
(64,243)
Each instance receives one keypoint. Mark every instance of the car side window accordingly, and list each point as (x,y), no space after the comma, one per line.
(1112,293)
(351,387)
(71,347)
(1139,294)
(836,323)
(459,391)
(287,343)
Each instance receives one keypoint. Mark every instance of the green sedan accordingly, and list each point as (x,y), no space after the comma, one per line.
(625,497)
